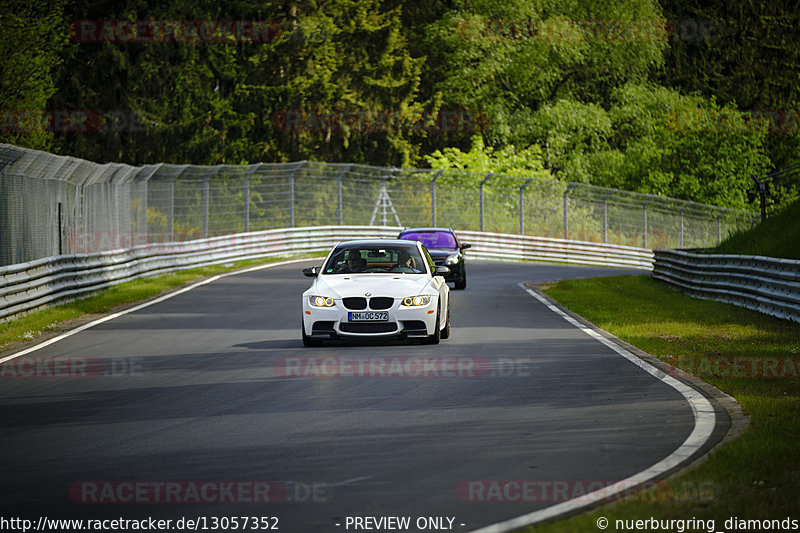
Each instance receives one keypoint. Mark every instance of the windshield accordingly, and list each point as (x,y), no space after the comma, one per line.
(375,259)
(432,239)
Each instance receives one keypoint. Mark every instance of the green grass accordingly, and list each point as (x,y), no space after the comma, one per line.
(777,236)
(32,325)
(756,475)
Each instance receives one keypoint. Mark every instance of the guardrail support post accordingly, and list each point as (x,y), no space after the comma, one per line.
(522,206)
(488,176)
(433,197)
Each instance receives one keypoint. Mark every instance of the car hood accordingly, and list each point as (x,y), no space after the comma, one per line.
(393,285)
(442,252)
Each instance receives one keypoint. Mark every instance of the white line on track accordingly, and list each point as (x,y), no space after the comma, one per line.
(704,423)
(142,306)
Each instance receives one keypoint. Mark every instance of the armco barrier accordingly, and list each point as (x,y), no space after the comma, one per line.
(764,284)
(52,280)
(505,247)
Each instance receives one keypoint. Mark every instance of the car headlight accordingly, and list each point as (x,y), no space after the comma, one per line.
(452,260)
(416,301)
(321,301)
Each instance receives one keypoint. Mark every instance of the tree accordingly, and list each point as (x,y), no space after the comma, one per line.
(31,37)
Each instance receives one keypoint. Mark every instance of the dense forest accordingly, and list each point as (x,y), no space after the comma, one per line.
(664,98)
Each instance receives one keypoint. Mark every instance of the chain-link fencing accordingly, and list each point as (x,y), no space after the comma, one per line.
(52,205)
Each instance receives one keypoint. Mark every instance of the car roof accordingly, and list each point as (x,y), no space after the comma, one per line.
(378,242)
(427,229)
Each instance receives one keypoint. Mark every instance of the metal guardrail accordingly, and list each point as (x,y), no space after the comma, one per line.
(28,286)
(506,247)
(764,284)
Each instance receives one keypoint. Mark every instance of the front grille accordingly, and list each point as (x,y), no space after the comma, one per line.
(439,261)
(322,327)
(356,303)
(368,327)
(380,302)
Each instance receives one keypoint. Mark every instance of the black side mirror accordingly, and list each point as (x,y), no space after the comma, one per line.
(441,271)
(311,272)
(465,246)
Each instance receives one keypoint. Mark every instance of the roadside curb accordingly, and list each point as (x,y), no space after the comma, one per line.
(739,421)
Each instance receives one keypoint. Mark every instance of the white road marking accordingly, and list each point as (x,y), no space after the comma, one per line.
(142,306)
(704,423)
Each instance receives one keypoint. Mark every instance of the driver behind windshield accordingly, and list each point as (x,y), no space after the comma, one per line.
(404,260)
(353,262)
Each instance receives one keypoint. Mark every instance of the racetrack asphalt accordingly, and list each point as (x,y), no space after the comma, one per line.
(194,390)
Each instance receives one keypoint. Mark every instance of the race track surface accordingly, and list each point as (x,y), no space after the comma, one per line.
(194,390)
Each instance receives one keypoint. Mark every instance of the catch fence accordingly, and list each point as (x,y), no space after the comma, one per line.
(54,205)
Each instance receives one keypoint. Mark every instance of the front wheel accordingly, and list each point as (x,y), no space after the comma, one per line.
(446,331)
(462,283)
(437,333)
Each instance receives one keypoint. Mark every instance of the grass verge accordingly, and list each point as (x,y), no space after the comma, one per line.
(752,357)
(33,325)
(777,236)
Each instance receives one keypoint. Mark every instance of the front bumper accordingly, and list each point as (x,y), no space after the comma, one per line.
(333,322)
(456,270)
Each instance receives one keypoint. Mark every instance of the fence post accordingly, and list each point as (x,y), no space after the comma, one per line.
(433,197)
(570,186)
(339,206)
(206,191)
(144,203)
(522,206)
(719,226)
(681,221)
(605,216)
(171,210)
(60,228)
(292,192)
(644,210)
(246,203)
(488,176)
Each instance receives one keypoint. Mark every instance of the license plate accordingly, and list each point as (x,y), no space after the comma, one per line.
(368,316)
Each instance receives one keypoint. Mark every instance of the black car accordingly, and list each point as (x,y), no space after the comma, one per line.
(445,249)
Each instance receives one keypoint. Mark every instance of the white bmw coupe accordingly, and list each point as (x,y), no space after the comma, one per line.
(377,288)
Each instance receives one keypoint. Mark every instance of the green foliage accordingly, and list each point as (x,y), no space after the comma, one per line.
(747,54)
(31,37)
(645,142)
(527,162)
(581,90)
(510,58)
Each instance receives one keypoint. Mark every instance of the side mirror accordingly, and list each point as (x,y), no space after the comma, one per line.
(311,272)
(441,271)
(465,246)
